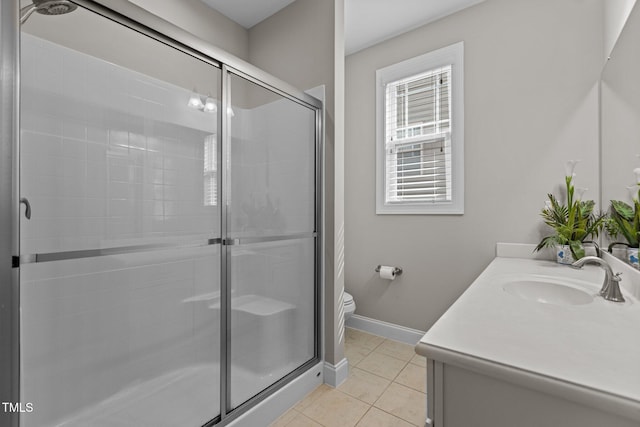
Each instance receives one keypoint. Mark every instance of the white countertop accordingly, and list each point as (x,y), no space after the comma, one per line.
(586,353)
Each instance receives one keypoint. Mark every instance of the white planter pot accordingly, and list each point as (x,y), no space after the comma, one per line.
(590,250)
(620,252)
(564,255)
(632,257)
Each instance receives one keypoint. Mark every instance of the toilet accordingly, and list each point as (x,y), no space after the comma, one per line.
(349,305)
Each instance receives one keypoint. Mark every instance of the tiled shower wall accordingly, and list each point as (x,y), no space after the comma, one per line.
(111,157)
(108,155)
(273,169)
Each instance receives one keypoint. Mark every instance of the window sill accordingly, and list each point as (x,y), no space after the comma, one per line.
(421,209)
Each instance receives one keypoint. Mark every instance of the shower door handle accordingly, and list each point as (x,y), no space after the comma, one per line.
(27,211)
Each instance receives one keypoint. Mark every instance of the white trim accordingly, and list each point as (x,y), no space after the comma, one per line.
(454,55)
(384,329)
(334,375)
(267,411)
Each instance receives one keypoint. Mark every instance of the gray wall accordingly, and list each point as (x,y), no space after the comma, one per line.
(531,72)
(197,18)
(620,100)
(202,21)
(303,44)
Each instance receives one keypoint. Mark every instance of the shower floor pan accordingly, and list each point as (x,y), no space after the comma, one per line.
(181,398)
(189,396)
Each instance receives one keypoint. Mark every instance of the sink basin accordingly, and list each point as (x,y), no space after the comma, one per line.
(547,292)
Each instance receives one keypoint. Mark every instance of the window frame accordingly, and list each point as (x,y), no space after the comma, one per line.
(450,55)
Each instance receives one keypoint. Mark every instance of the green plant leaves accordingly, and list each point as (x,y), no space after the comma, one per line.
(625,221)
(577,250)
(572,223)
(622,209)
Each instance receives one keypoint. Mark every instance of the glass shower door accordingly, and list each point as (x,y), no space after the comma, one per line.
(271,271)
(121,254)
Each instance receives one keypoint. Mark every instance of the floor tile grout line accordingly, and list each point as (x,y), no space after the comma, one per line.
(378,346)
(336,390)
(363,415)
(312,419)
(368,335)
(385,389)
(389,379)
(408,386)
(368,353)
(387,412)
(391,355)
(366,349)
(394,415)
(396,377)
(417,364)
(383,392)
(374,374)
(377,349)
(291,420)
(370,406)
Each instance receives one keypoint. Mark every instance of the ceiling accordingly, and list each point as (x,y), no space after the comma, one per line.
(367,22)
(248,12)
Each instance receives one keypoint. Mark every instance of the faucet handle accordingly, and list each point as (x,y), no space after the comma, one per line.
(616,277)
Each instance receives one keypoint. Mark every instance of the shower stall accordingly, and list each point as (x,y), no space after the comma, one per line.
(160,203)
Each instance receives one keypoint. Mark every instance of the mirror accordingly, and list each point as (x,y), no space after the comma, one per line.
(620,117)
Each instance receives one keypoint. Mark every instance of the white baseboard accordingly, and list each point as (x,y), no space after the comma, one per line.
(267,411)
(334,375)
(384,329)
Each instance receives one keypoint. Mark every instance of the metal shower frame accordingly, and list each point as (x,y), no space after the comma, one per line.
(142,21)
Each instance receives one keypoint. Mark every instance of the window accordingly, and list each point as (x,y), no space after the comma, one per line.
(210,169)
(420,142)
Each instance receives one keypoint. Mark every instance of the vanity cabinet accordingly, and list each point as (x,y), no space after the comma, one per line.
(462,397)
(499,358)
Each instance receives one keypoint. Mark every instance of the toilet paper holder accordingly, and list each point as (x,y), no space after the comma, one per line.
(396,270)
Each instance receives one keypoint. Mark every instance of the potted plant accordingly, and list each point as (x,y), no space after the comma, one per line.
(573,221)
(624,220)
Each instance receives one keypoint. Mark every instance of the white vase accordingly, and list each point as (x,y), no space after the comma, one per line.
(564,255)
(632,257)
(590,250)
(620,252)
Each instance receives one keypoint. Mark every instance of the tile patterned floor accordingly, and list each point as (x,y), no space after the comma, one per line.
(385,388)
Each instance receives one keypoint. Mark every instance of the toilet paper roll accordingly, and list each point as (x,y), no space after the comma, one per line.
(387,272)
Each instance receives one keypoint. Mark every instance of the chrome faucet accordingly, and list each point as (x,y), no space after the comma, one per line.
(611,286)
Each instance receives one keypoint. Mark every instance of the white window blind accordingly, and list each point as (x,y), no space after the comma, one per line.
(418,143)
(420,134)
(210,171)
